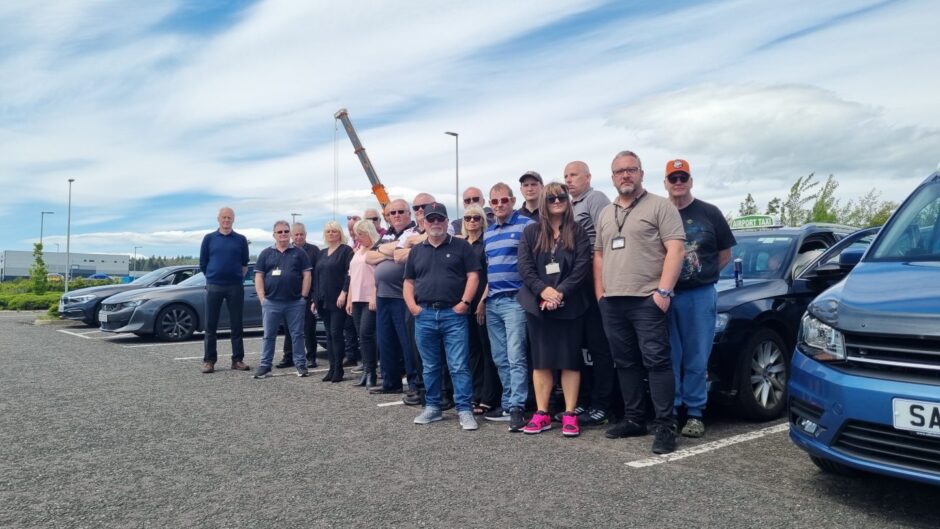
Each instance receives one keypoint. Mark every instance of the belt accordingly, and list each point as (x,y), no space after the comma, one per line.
(438,305)
(505,294)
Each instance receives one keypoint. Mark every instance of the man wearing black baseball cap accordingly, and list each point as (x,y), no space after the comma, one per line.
(530,187)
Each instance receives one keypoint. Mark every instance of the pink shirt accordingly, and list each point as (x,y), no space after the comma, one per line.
(361,279)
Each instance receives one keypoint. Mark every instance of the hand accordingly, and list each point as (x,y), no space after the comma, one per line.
(415,310)
(548,305)
(661,301)
(481,312)
(313,308)
(415,240)
(341,302)
(349,308)
(552,295)
(372,304)
(461,308)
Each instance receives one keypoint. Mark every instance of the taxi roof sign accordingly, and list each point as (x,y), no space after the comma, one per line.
(754,222)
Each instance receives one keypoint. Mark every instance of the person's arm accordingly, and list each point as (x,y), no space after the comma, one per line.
(245,255)
(401,254)
(305,286)
(724,257)
(384,252)
(259,286)
(408,293)
(204,254)
(526,265)
(672,265)
(582,263)
(473,279)
(598,269)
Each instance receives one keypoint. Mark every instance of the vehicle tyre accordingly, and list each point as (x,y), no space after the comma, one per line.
(93,321)
(175,323)
(763,370)
(833,467)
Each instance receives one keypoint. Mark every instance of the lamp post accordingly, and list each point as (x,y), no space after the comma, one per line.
(42,218)
(293,219)
(135,256)
(68,240)
(456,172)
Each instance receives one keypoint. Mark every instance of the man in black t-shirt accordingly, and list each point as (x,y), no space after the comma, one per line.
(708,242)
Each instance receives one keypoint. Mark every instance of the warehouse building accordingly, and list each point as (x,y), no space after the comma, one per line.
(15,264)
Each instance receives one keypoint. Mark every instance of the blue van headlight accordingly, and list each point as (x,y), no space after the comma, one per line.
(821,341)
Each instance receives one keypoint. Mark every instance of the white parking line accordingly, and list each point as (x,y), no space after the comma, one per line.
(200,356)
(394,403)
(708,447)
(70,333)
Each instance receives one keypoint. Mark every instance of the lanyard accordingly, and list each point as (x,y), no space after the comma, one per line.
(626,212)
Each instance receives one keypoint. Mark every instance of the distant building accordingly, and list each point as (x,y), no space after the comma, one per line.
(15,264)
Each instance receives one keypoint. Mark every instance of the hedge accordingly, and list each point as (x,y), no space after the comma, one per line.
(29,301)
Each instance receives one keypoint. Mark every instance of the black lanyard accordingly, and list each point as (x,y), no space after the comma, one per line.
(626,212)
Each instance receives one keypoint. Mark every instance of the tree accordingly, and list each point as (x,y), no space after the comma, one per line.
(867,211)
(826,207)
(793,211)
(38,274)
(774,207)
(748,207)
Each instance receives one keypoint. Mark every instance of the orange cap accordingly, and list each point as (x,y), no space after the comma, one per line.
(678,166)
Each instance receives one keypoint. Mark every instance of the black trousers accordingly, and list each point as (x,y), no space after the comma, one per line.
(638,334)
(364,320)
(310,337)
(597,378)
(334,319)
(234,298)
(487,388)
(352,340)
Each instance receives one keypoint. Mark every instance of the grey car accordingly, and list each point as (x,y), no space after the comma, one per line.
(174,314)
(83,304)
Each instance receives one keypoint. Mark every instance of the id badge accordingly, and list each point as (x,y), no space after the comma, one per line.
(276,272)
(552,268)
(618,243)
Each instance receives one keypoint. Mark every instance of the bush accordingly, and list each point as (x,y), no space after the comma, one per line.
(29,301)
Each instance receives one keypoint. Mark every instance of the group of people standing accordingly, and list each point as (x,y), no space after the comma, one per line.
(491,312)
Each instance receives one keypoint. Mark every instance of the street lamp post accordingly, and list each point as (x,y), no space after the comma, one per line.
(68,240)
(293,219)
(456,171)
(135,256)
(42,219)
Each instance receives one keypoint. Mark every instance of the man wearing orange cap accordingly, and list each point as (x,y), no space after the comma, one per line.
(708,242)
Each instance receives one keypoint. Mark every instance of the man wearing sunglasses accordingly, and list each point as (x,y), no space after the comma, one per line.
(530,187)
(282,282)
(372,214)
(473,196)
(637,257)
(708,242)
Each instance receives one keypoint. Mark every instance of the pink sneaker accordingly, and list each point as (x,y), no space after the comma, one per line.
(538,423)
(569,425)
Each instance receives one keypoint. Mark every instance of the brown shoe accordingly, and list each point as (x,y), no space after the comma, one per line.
(240,366)
(208,367)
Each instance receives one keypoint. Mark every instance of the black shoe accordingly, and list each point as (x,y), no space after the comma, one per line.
(665,441)
(447,404)
(362,381)
(516,420)
(371,380)
(328,376)
(349,363)
(302,372)
(312,364)
(285,363)
(414,398)
(497,414)
(263,372)
(592,417)
(625,428)
(337,376)
(385,391)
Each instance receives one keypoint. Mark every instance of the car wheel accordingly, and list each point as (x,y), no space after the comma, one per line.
(93,321)
(175,323)
(763,369)
(833,467)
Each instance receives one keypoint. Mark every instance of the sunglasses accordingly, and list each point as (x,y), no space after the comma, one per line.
(281,231)
(472,218)
(398,212)
(435,219)
(418,207)
(373,219)
(675,178)
(352,217)
(472,200)
(551,199)
(501,200)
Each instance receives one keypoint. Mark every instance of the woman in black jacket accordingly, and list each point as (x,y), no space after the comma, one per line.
(329,280)
(554,261)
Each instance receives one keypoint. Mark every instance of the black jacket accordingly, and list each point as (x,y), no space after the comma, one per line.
(571,281)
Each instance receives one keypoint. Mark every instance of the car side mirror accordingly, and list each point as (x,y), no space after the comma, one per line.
(850,257)
(163,282)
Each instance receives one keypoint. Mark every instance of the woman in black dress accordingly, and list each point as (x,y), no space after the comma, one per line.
(329,277)
(554,261)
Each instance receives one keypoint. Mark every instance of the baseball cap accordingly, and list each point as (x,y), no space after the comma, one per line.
(531,174)
(435,208)
(678,166)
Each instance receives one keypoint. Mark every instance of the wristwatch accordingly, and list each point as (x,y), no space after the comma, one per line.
(465,302)
(665,293)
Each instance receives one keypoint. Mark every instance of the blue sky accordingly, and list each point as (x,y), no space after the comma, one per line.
(166,110)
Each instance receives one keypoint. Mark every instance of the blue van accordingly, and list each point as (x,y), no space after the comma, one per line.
(864,388)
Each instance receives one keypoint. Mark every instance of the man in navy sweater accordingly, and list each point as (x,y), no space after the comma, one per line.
(223,259)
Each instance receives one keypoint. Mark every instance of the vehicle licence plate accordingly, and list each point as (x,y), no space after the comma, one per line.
(102,317)
(917,416)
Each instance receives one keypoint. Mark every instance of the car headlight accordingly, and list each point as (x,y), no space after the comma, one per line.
(80,299)
(131,304)
(721,321)
(821,341)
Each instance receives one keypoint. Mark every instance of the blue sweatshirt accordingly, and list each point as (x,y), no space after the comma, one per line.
(222,257)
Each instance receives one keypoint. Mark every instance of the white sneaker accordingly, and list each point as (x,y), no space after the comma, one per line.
(467,421)
(429,415)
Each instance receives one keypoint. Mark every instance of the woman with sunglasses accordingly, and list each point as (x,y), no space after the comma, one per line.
(554,260)
(360,298)
(486,389)
(329,300)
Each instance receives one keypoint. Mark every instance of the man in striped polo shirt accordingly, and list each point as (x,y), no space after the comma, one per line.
(505,319)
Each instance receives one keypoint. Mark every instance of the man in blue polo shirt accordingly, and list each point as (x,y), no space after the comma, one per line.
(223,258)
(505,318)
(282,281)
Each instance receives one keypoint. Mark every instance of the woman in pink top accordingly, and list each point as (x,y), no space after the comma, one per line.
(360,299)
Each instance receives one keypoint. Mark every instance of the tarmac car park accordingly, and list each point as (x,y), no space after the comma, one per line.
(83,304)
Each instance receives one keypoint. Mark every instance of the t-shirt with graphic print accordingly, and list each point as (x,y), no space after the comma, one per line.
(706,233)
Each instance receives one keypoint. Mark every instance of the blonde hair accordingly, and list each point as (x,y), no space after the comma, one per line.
(473,210)
(332,224)
(367,227)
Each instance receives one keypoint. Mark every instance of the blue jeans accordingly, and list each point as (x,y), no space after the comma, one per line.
(691,332)
(505,322)
(432,326)
(393,342)
(273,312)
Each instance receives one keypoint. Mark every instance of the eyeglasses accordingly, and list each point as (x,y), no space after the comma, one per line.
(435,219)
(417,207)
(472,218)
(472,200)
(281,231)
(626,171)
(397,212)
(675,178)
(373,219)
(500,200)
(557,198)
(352,217)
